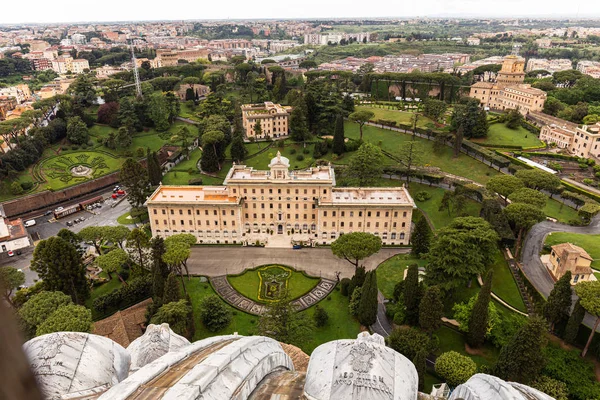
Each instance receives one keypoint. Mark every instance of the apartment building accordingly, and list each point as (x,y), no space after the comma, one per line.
(552,66)
(273,119)
(591,68)
(21,93)
(581,141)
(279,204)
(63,65)
(170,58)
(508,91)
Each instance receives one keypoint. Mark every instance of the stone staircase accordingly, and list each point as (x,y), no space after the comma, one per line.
(514,269)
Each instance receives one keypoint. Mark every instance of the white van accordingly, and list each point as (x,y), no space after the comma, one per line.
(29,223)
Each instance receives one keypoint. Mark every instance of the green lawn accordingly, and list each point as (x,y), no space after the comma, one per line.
(503,283)
(248,284)
(179,174)
(341,324)
(431,206)
(401,117)
(451,340)
(591,243)
(292,151)
(126,220)
(499,134)
(562,213)
(391,271)
(391,141)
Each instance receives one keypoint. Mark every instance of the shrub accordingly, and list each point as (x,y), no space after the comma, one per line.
(16,188)
(195,181)
(399,316)
(177,315)
(292,151)
(306,150)
(577,373)
(136,290)
(75,147)
(214,314)
(320,316)
(70,318)
(299,157)
(422,196)
(139,152)
(355,301)
(344,286)
(455,368)
(408,341)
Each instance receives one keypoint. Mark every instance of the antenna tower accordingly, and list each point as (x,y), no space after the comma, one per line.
(136,75)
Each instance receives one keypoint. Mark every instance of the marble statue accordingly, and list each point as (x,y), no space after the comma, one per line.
(157,341)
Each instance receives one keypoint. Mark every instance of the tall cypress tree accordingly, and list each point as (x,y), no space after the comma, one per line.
(411,294)
(238,150)
(420,363)
(421,237)
(160,270)
(338,137)
(480,314)
(522,359)
(367,310)
(153,166)
(431,310)
(575,321)
(358,279)
(172,292)
(559,302)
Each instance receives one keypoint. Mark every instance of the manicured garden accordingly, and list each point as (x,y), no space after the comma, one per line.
(590,243)
(268,283)
(504,285)
(401,117)
(391,271)
(562,213)
(500,135)
(58,170)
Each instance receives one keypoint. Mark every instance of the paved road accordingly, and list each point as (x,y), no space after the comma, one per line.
(214,261)
(533,268)
(382,326)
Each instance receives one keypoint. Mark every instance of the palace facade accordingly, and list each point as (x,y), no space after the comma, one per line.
(280,205)
(273,119)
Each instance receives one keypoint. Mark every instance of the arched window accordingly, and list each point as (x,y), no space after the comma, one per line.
(208,233)
(305,227)
(324,235)
(313,227)
(296,226)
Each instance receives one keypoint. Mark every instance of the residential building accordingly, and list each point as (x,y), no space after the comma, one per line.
(552,66)
(544,43)
(21,93)
(581,141)
(473,41)
(568,257)
(273,119)
(13,235)
(279,205)
(591,68)
(63,65)
(508,91)
(78,38)
(170,58)
(107,70)
(200,91)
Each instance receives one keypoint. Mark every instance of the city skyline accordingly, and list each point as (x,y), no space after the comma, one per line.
(71,12)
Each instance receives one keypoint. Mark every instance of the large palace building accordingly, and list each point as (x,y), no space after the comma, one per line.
(509,91)
(273,120)
(280,206)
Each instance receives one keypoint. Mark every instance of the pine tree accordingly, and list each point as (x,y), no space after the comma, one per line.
(574,323)
(411,294)
(421,237)
(172,292)
(522,359)
(338,137)
(238,150)
(209,161)
(431,310)
(420,363)
(559,302)
(298,121)
(153,166)
(367,310)
(160,270)
(358,279)
(478,323)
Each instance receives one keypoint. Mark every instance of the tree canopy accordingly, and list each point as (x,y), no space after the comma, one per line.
(356,246)
(10,279)
(69,318)
(365,166)
(589,298)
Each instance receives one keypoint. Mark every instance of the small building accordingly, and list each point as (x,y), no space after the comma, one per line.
(169,156)
(581,141)
(568,257)
(273,119)
(473,41)
(124,326)
(199,91)
(13,235)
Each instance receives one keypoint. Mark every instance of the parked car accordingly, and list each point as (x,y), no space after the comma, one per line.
(29,223)
(69,223)
(11,253)
(49,212)
(81,219)
(297,246)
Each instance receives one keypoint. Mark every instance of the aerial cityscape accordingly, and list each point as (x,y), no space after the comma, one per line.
(279,203)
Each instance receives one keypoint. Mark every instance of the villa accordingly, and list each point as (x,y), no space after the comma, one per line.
(568,257)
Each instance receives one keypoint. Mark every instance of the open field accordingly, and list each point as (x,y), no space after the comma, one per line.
(401,117)
(499,134)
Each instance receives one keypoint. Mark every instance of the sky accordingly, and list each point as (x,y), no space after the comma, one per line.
(42,11)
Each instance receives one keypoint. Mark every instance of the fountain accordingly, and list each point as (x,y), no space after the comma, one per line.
(81,170)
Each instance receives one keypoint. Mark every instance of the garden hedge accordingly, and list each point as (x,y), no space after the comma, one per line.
(135,291)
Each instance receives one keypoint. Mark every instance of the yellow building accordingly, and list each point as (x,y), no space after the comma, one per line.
(509,91)
(280,206)
(273,119)
(568,257)
(581,141)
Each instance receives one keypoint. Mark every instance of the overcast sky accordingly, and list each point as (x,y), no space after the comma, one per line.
(42,11)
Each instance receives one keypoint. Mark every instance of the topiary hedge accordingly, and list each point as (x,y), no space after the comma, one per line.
(135,291)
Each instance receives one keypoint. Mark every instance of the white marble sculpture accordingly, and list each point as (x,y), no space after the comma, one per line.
(157,341)
(70,363)
(362,369)
(482,386)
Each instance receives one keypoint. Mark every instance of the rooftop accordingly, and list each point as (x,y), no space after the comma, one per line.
(187,194)
(242,172)
(10,230)
(571,248)
(124,326)
(370,195)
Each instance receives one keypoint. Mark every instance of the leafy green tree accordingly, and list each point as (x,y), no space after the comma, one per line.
(435,109)
(523,216)
(354,303)
(257,128)
(160,269)
(528,196)
(480,318)
(212,138)
(112,261)
(421,237)
(10,279)
(361,117)
(138,244)
(492,212)
(471,118)
(367,309)
(159,111)
(504,185)
(123,139)
(282,322)
(16,188)
(298,121)
(214,314)
(83,91)
(238,150)
(410,156)
(39,307)
(558,303)
(538,179)
(127,115)
(93,235)
(320,316)
(116,234)
(455,368)
(365,166)
(431,310)
(420,363)
(589,297)
(356,246)
(348,104)
(71,237)
(575,320)
(408,341)
(460,252)
(463,313)
(171,290)
(77,131)
(411,294)
(339,143)
(134,177)
(177,314)
(514,119)
(552,387)
(358,279)
(522,359)
(68,318)
(59,264)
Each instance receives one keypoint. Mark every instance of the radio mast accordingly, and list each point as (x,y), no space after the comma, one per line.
(136,75)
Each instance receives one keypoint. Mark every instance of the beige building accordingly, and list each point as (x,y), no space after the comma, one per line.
(581,141)
(273,119)
(170,58)
(280,206)
(509,91)
(568,257)
(63,65)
